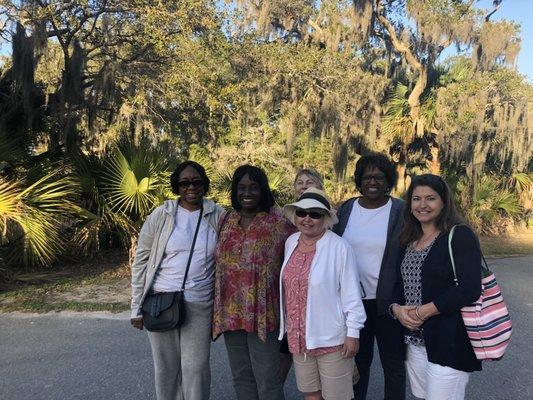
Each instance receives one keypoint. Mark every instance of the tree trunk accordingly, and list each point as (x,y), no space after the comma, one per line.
(401,187)
(434,165)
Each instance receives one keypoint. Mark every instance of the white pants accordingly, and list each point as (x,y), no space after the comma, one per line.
(432,381)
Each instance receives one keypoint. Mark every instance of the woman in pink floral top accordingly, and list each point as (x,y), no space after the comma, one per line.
(248,260)
(321,309)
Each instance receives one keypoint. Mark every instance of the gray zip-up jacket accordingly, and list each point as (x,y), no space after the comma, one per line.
(388,274)
(151,246)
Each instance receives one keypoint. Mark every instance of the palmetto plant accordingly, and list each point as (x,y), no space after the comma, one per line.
(133,180)
(490,206)
(31,218)
(522,184)
(220,190)
(118,192)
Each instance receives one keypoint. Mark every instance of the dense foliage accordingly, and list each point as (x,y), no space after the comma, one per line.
(99,99)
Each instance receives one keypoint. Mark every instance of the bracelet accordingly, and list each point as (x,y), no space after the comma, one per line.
(418,315)
(391,313)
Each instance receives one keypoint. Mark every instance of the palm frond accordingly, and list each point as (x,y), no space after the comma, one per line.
(522,181)
(9,203)
(32,218)
(132,184)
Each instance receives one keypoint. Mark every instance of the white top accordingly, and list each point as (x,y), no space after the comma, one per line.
(200,279)
(334,307)
(366,231)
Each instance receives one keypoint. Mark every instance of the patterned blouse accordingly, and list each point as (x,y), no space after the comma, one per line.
(248,262)
(411,269)
(295,285)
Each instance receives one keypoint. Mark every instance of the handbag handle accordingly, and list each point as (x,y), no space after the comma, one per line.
(484,267)
(450,237)
(192,247)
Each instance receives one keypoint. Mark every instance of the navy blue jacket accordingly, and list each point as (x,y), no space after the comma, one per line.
(388,274)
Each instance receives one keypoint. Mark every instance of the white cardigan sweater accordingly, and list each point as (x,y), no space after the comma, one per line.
(334,307)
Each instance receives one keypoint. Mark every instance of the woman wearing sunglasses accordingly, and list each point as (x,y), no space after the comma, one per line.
(181,355)
(321,309)
(305,178)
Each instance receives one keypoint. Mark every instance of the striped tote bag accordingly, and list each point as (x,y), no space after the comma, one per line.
(487,320)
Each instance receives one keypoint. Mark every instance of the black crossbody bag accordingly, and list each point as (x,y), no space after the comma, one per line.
(166,310)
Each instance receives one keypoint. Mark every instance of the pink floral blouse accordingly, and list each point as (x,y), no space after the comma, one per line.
(295,285)
(248,263)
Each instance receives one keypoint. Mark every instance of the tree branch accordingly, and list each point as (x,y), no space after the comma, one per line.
(396,42)
(496,4)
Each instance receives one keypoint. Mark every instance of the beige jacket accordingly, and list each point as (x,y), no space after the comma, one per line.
(151,246)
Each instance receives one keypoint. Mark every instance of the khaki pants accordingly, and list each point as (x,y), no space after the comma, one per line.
(331,373)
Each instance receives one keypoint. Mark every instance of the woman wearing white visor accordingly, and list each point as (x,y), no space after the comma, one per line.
(321,308)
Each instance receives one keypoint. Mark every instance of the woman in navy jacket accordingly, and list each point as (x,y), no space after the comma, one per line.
(439,355)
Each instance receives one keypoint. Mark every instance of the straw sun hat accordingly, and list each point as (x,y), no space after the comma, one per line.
(312,198)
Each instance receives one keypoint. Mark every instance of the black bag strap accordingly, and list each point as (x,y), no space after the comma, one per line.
(192,247)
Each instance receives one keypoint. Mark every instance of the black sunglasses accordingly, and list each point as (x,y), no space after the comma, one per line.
(313,214)
(197,183)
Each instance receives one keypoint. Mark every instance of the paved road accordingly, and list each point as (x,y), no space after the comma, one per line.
(55,357)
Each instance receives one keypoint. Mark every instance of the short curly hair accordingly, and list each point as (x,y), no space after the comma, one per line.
(175,177)
(379,161)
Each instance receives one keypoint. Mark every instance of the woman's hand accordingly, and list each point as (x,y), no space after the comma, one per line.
(406,316)
(137,323)
(424,312)
(350,347)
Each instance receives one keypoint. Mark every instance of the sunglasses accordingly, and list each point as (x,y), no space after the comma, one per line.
(312,214)
(197,183)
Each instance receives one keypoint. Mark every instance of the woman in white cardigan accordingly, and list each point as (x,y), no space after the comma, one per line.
(321,308)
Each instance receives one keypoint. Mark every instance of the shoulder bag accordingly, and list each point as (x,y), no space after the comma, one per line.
(487,320)
(166,310)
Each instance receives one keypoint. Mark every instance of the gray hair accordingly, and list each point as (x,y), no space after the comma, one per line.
(315,176)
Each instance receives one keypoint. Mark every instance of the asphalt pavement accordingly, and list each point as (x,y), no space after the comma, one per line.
(100,356)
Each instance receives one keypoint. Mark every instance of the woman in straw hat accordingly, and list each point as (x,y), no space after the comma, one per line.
(304,179)
(320,309)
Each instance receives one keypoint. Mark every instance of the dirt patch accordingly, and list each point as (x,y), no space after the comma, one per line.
(105,292)
(514,244)
(98,284)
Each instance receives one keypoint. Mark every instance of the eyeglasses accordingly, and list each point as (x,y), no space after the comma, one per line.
(197,183)
(377,178)
(313,214)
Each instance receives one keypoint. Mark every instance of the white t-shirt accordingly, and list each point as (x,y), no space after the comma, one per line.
(200,279)
(366,231)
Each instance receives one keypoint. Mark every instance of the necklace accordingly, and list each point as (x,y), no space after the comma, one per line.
(424,242)
(308,244)
(311,243)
